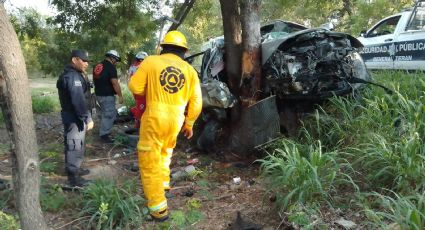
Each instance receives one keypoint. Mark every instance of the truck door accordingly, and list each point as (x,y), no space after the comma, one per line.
(378,51)
(410,42)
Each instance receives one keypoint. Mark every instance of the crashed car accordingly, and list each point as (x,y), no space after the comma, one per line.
(300,66)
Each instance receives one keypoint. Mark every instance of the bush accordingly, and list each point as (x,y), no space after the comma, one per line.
(52,198)
(403,212)
(301,174)
(8,222)
(44,104)
(374,143)
(113,206)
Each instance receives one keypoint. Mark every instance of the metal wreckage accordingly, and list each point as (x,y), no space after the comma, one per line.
(300,67)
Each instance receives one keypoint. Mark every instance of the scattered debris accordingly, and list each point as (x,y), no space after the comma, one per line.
(346,224)
(192,161)
(237,180)
(112,162)
(183,172)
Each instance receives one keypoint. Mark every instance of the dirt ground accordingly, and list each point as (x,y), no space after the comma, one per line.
(219,206)
(220,201)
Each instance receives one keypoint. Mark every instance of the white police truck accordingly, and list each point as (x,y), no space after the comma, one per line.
(397,41)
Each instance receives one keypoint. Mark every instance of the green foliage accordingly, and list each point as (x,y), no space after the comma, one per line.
(352,17)
(128,97)
(376,143)
(186,220)
(4,148)
(6,196)
(113,206)
(202,23)
(305,217)
(44,104)
(301,174)
(8,222)
(30,27)
(404,212)
(48,167)
(98,26)
(52,198)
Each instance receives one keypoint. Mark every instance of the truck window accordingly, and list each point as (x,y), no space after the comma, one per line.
(385,27)
(417,22)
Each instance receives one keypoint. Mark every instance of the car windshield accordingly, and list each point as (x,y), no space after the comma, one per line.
(279,29)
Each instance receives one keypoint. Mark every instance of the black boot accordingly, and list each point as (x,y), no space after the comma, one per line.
(83,172)
(106,139)
(77,181)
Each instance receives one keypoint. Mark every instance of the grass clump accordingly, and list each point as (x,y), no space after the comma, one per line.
(44,104)
(302,174)
(374,144)
(52,198)
(112,206)
(185,220)
(402,212)
(8,222)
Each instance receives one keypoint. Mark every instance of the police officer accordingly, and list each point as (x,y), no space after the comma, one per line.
(74,95)
(106,85)
(169,84)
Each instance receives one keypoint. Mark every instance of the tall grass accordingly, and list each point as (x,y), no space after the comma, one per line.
(45,104)
(402,212)
(113,206)
(300,173)
(375,143)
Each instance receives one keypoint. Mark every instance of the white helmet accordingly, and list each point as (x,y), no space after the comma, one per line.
(113,54)
(141,55)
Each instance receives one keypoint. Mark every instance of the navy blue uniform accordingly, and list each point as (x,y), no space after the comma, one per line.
(74,96)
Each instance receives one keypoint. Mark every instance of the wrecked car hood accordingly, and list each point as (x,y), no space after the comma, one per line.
(269,46)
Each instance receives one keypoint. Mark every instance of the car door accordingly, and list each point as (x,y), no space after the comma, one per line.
(378,51)
(410,42)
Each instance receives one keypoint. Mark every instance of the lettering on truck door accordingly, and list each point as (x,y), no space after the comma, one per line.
(410,43)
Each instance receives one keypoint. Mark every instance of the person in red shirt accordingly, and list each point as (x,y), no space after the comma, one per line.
(140,106)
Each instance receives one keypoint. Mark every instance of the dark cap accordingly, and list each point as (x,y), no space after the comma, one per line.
(82,54)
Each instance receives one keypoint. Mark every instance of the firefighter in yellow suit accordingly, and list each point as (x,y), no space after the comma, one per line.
(170,84)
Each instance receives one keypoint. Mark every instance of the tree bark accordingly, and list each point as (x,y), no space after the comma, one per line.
(251,53)
(15,101)
(232,38)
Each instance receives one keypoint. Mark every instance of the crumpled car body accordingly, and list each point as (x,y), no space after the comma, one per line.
(298,63)
(300,67)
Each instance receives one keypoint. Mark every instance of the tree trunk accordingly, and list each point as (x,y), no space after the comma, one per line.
(232,40)
(15,101)
(251,54)
(181,15)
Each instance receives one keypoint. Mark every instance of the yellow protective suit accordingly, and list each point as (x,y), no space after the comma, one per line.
(169,84)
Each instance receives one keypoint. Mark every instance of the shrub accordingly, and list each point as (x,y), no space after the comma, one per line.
(403,212)
(44,104)
(128,97)
(301,174)
(8,222)
(113,206)
(52,198)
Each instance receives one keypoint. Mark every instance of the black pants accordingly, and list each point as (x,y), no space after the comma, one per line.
(74,147)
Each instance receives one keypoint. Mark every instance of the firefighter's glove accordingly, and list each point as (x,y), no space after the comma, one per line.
(90,125)
(80,125)
(187,131)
